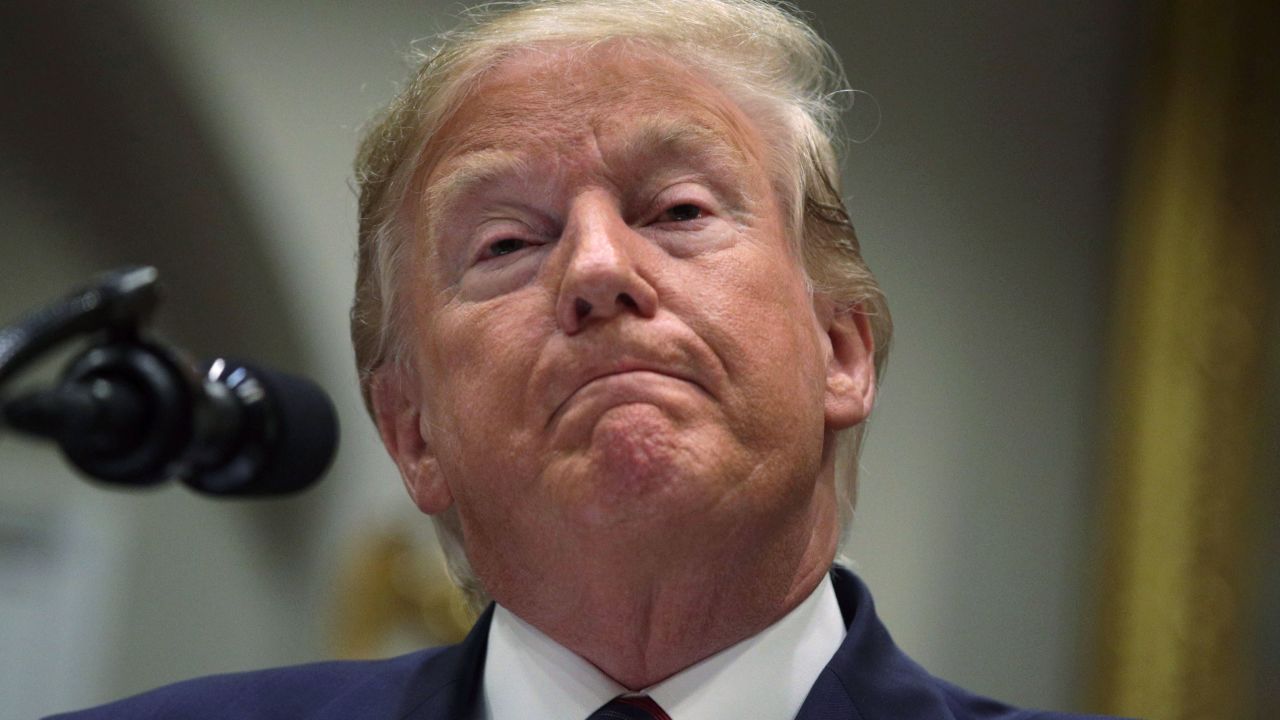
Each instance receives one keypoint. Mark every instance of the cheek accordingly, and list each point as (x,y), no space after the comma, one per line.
(759,318)
(479,357)
(765,302)
(472,414)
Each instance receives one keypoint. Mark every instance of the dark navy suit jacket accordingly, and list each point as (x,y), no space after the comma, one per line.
(869,678)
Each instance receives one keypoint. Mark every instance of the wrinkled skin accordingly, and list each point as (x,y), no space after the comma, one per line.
(619,377)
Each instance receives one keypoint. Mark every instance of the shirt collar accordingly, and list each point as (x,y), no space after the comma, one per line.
(529,676)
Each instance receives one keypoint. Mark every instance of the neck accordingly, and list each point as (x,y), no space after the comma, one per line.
(642,620)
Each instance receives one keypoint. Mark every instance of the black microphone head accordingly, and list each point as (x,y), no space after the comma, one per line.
(287,433)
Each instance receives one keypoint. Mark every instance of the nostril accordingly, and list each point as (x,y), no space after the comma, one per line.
(627,301)
(581,308)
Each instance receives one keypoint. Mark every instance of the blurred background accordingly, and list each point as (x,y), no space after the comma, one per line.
(1068,495)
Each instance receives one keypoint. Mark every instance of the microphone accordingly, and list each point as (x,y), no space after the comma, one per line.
(133,412)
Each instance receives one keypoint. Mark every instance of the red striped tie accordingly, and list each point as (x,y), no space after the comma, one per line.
(630,707)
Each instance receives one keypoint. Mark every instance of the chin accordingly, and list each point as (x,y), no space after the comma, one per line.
(641,466)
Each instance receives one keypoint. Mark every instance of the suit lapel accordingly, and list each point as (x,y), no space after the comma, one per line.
(869,678)
(447,686)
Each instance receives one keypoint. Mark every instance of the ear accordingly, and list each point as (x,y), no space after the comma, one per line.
(851,372)
(398,412)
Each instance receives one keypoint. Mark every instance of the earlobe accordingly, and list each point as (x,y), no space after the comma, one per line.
(851,373)
(401,423)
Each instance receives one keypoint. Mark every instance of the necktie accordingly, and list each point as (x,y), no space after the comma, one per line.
(630,707)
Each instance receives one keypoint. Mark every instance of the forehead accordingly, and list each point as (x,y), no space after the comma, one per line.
(615,101)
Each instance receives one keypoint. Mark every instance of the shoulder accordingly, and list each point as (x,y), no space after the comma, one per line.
(871,677)
(965,704)
(301,691)
(438,683)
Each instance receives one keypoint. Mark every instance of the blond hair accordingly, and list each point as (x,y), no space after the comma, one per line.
(760,53)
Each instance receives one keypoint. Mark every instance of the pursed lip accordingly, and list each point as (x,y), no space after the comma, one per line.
(620,368)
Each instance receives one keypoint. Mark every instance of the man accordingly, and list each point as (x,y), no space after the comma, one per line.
(614,328)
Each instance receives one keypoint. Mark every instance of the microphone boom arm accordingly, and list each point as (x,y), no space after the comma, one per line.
(131,411)
(119,303)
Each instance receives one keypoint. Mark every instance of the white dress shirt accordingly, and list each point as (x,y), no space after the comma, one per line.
(529,676)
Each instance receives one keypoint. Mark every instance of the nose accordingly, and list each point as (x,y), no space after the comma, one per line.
(602,274)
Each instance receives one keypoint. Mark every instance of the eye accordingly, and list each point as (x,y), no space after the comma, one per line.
(505,246)
(684,212)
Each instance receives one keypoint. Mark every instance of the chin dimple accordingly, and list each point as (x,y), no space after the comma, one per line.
(637,444)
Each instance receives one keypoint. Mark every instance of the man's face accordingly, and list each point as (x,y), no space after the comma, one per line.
(612,338)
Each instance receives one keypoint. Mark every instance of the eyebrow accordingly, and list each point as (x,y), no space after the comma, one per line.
(467,173)
(654,138)
(658,137)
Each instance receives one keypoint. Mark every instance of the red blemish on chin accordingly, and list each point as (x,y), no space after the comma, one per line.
(637,450)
